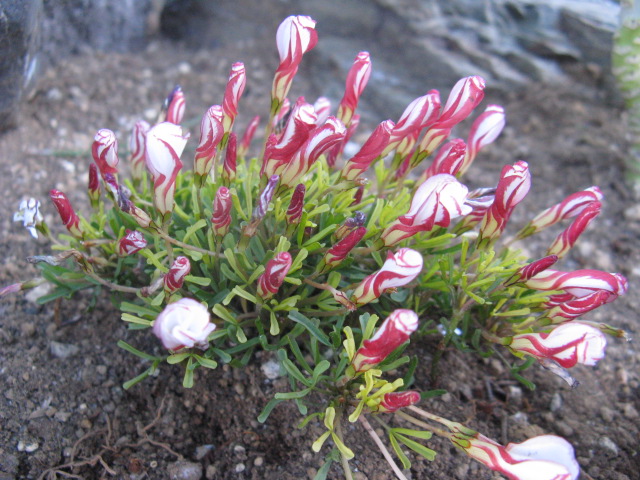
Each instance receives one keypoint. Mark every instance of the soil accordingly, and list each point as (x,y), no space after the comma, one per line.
(62,400)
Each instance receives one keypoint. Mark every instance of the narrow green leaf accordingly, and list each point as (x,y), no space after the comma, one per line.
(268,408)
(400,454)
(414,433)
(125,346)
(292,395)
(177,357)
(417,447)
(193,229)
(310,326)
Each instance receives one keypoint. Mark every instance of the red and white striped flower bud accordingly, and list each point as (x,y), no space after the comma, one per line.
(357,79)
(29,214)
(175,105)
(546,457)
(449,159)
(321,139)
(513,186)
(299,126)
(568,208)
(264,199)
(395,331)
(232,93)
(340,250)
(534,268)
(67,213)
(93,188)
(221,218)
(105,151)
(577,307)
(568,344)
(357,196)
(334,152)
(296,35)
(420,113)
(398,270)
(436,202)
(249,133)
(131,243)
(273,277)
(230,160)
(137,145)
(294,212)
(568,238)
(165,144)
(579,283)
(211,133)
(322,107)
(370,150)
(485,130)
(184,324)
(174,279)
(394,401)
(466,94)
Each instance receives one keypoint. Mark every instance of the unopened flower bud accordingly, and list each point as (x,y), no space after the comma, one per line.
(485,130)
(165,143)
(528,271)
(137,145)
(340,250)
(513,186)
(174,106)
(436,202)
(221,218)
(67,213)
(294,212)
(545,457)
(211,133)
(370,150)
(357,79)
(131,243)
(568,344)
(184,324)
(394,401)
(249,133)
(448,160)
(174,279)
(568,238)
(105,151)
(230,160)
(93,187)
(264,200)
(398,270)
(571,206)
(276,270)
(296,35)
(233,92)
(466,94)
(395,331)
(576,307)
(419,114)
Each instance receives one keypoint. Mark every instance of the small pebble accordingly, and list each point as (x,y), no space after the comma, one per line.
(63,350)
(271,369)
(240,467)
(608,444)
(630,411)
(556,402)
(258,461)
(183,470)
(202,450)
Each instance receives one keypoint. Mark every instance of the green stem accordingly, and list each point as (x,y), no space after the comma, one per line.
(170,240)
(421,424)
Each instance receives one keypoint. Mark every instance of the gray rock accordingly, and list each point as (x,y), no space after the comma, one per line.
(63,350)
(183,470)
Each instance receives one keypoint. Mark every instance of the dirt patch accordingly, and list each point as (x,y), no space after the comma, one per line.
(62,372)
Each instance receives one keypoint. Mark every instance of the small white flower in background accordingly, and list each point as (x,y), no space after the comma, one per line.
(29,214)
(183,324)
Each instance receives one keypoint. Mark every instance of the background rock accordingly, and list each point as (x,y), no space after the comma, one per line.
(415,44)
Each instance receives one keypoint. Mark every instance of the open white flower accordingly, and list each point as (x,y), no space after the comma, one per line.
(184,324)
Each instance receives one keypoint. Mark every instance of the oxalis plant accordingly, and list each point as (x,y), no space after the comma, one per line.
(334,261)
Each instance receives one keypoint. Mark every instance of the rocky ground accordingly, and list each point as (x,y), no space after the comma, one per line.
(63,411)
